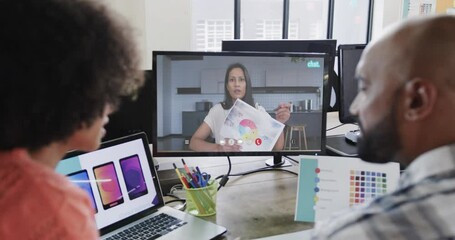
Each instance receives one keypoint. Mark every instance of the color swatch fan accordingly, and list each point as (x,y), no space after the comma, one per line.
(330,184)
(253,129)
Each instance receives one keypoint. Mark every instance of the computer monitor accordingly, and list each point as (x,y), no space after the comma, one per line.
(327,46)
(135,113)
(188,84)
(349,56)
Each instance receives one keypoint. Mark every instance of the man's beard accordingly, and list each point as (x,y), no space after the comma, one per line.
(381,143)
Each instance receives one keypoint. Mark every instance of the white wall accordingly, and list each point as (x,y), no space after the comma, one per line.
(166,24)
(134,13)
(386,12)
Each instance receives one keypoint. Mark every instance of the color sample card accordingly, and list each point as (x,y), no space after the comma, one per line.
(366,185)
(330,184)
(253,129)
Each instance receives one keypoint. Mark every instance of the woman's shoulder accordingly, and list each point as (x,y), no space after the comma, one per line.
(217,107)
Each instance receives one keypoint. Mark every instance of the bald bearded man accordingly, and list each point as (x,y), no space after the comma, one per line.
(406,111)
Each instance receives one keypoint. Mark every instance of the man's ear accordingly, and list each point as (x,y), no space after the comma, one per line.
(420,97)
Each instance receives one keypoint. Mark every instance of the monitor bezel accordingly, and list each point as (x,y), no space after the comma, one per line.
(344,115)
(276,154)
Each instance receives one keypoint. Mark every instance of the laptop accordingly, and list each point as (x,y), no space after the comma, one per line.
(125,193)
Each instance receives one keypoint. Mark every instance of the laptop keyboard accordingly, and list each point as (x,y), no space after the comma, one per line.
(151,228)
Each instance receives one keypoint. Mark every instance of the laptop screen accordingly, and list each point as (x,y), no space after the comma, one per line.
(119,178)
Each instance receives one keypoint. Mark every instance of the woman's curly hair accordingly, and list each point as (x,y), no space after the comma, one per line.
(61,62)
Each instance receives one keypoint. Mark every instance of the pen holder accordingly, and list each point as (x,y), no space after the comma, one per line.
(202,201)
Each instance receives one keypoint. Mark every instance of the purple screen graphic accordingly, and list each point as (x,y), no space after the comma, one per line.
(134,177)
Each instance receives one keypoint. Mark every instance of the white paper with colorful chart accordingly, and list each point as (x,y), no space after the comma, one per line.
(330,184)
(255,130)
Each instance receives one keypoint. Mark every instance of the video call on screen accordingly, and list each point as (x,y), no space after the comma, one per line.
(188,85)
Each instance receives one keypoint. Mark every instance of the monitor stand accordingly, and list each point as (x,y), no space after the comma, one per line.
(278,161)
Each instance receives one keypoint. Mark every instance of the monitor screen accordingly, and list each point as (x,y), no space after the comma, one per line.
(349,56)
(188,85)
(327,46)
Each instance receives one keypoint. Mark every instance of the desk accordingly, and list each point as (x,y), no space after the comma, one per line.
(256,205)
(333,121)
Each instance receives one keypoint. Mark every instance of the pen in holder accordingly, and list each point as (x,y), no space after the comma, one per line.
(202,201)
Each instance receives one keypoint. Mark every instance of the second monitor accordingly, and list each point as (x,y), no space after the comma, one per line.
(349,56)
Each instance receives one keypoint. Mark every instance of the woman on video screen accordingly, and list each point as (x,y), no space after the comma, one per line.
(237,85)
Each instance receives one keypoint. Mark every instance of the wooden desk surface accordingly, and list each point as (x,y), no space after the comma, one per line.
(255,205)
